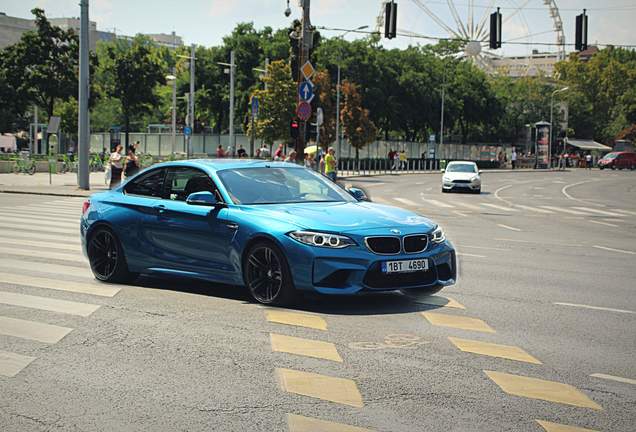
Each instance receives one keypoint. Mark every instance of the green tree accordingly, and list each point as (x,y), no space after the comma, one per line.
(131,72)
(276,104)
(326,99)
(358,127)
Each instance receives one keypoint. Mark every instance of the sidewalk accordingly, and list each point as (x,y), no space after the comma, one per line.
(66,184)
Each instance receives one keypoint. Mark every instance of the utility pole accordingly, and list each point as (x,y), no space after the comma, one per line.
(232,98)
(338,113)
(83,127)
(305,45)
(174,97)
(191,105)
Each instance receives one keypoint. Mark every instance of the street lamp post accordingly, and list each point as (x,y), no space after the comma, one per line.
(231,71)
(552,123)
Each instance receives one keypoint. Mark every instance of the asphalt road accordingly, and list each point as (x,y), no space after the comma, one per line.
(545,303)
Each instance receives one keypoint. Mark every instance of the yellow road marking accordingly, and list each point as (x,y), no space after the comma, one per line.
(555,427)
(61,285)
(338,390)
(32,330)
(534,388)
(304,347)
(493,350)
(296,319)
(460,322)
(11,363)
(441,301)
(298,423)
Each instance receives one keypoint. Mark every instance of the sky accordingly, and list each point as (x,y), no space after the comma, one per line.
(205,22)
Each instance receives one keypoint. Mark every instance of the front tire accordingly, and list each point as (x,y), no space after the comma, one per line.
(106,257)
(267,276)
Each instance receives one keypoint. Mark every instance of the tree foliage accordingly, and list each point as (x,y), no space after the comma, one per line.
(358,127)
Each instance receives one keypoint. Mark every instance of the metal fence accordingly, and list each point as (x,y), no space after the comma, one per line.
(161,145)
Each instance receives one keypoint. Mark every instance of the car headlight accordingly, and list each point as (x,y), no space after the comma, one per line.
(474,179)
(320,239)
(438,236)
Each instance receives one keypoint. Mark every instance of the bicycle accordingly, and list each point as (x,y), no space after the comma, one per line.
(24,166)
(67,164)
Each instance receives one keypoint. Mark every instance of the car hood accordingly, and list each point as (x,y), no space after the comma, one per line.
(343,217)
(459,175)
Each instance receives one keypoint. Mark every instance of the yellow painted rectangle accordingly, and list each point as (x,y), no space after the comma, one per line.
(11,363)
(440,301)
(534,388)
(304,347)
(338,390)
(460,322)
(493,350)
(555,427)
(297,423)
(36,331)
(296,319)
(92,287)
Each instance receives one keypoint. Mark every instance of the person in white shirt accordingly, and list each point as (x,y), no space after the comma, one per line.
(513,158)
(588,161)
(116,167)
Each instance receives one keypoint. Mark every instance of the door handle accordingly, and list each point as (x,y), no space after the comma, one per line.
(231,225)
(160,209)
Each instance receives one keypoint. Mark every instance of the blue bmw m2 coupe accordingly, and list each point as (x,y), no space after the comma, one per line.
(276,228)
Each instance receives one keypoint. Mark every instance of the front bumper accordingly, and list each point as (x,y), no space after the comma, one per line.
(356,269)
(461,186)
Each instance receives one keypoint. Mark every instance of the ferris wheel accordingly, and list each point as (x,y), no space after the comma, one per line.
(527,25)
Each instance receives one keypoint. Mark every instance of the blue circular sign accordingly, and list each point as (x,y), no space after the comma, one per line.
(187,131)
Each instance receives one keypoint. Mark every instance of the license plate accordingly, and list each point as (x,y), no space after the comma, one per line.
(405,266)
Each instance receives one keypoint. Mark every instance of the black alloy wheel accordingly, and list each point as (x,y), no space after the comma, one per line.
(266,275)
(106,257)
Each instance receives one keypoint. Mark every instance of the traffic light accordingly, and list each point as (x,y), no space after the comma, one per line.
(495,30)
(580,40)
(390,20)
(293,129)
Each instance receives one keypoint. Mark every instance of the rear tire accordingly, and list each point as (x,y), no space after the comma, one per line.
(106,257)
(266,275)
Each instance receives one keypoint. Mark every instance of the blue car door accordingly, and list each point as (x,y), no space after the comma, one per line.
(191,239)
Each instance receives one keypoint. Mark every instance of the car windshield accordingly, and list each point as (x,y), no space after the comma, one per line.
(462,168)
(277,185)
(610,156)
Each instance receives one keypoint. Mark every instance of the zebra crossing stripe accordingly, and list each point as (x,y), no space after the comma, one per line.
(498,207)
(67,256)
(32,330)
(601,212)
(47,304)
(53,246)
(438,203)
(534,209)
(405,201)
(565,210)
(61,285)
(11,363)
(17,235)
(39,267)
(44,229)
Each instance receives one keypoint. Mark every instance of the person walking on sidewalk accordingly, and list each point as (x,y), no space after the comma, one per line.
(132,163)
(330,164)
(588,161)
(115,167)
(513,158)
(402,157)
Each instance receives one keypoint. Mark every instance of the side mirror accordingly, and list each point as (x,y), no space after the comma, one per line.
(478,171)
(202,199)
(358,194)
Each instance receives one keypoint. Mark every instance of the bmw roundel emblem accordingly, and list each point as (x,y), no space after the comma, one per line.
(396,231)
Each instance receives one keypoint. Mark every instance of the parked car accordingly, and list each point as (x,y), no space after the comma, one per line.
(463,176)
(276,228)
(618,160)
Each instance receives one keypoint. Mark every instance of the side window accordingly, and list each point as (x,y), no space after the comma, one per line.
(185,181)
(150,184)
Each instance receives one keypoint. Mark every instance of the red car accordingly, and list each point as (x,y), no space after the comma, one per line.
(618,160)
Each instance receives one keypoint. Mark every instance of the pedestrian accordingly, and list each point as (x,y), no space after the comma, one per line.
(588,161)
(402,159)
(264,153)
(513,158)
(390,157)
(132,162)
(229,152)
(308,162)
(291,157)
(219,151)
(241,152)
(331,164)
(396,161)
(115,166)
(280,153)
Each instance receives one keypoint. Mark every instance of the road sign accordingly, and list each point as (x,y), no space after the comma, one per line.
(308,70)
(254,106)
(303,111)
(187,131)
(431,138)
(306,91)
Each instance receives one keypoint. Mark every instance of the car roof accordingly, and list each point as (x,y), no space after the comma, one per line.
(462,162)
(222,164)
